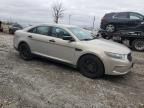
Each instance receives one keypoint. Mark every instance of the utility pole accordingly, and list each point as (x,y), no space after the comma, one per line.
(93,22)
(70,18)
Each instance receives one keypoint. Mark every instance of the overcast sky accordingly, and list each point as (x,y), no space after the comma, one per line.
(82,11)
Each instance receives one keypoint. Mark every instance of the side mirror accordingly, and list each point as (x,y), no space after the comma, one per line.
(69,38)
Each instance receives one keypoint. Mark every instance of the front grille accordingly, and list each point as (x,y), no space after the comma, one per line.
(129,57)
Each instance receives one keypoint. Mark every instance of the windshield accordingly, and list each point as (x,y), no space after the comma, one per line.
(81,34)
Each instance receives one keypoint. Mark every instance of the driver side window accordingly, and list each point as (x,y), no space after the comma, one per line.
(59,32)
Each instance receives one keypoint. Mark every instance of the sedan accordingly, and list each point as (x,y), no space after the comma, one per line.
(14,27)
(94,57)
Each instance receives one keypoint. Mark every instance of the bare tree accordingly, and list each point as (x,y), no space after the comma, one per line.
(57,11)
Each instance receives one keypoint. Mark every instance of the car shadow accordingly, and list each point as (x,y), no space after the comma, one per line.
(56,63)
(119,78)
(70,68)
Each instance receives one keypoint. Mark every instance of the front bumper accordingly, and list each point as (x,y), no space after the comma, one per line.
(118,67)
(122,70)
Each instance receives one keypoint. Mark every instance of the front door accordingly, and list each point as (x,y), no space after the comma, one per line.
(135,19)
(60,49)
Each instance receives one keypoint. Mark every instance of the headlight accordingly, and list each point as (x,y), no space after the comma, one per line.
(116,56)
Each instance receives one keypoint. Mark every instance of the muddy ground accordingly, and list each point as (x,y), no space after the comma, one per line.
(41,83)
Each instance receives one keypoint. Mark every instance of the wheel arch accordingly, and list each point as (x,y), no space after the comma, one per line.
(22,42)
(77,64)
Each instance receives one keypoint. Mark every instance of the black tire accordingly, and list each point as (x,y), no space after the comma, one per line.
(91,66)
(138,45)
(25,52)
(110,28)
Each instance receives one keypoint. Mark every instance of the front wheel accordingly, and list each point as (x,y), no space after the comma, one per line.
(91,66)
(138,45)
(25,52)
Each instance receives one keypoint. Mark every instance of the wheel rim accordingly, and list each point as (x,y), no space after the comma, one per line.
(90,66)
(24,51)
(110,28)
(139,45)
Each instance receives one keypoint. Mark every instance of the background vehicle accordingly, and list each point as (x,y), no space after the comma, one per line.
(1,26)
(112,22)
(70,44)
(14,27)
(134,39)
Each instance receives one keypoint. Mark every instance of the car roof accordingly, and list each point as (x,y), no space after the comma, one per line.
(57,25)
(109,15)
(120,12)
(48,24)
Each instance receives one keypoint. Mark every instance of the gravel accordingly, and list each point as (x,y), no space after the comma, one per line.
(41,83)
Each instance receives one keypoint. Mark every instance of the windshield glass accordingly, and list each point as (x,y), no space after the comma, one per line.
(81,34)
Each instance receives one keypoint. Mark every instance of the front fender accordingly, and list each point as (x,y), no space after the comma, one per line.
(78,55)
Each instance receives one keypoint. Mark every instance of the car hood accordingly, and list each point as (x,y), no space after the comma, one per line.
(106,45)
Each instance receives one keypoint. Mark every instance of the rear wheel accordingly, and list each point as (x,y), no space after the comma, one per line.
(138,45)
(91,66)
(25,52)
(110,28)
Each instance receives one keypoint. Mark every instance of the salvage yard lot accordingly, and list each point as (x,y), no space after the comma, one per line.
(41,83)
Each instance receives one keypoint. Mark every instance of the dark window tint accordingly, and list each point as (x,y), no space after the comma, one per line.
(43,30)
(58,32)
(107,16)
(121,16)
(135,16)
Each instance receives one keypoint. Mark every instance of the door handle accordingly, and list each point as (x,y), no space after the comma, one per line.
(52,40)
(30,36)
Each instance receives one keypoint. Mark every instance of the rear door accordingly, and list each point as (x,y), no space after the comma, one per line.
(39,40)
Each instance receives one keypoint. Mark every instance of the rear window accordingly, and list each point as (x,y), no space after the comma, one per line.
(108,16)
(43,30)
(121,16)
